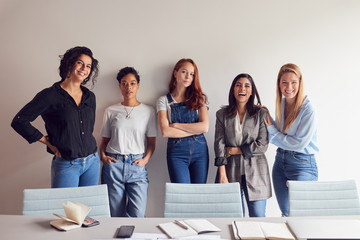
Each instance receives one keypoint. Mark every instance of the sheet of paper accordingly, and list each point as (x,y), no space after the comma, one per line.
(205,237)
(175,231)
(276,230)
(325,228)
(160,236)
(248,230)
(65,218)
(76,211)
(148,236)
(202,225)
(62,224)
(72,211)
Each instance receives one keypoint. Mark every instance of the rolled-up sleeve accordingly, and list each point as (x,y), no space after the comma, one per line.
(22,121)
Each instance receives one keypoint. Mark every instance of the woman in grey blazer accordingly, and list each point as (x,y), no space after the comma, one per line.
(241,140)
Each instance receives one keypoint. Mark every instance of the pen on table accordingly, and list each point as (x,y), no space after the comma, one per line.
(181,224)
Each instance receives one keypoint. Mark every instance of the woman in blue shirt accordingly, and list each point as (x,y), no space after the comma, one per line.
(295,134)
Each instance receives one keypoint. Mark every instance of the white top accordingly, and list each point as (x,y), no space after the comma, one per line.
(128,136)
(239,130)
(163,105)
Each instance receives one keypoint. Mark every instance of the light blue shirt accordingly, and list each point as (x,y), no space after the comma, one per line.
(302,134)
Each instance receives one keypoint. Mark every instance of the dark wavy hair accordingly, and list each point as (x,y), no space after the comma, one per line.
(68,60)
(127,70)
(195,98)
(251,107)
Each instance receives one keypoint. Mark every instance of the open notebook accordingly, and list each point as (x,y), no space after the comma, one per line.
(194,227)
(261,230)
(75,215)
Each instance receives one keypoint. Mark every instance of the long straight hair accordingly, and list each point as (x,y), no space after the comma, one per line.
(251,107)
(194,96)
(300,96)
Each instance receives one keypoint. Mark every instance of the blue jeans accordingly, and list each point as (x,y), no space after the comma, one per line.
(75,173)
(294,166)
(127,185)
(256,208)
(188,159)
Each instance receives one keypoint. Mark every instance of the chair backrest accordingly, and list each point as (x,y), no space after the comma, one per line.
(320,198)
(202,200)
(44,202)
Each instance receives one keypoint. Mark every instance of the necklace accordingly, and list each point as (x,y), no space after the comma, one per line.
(128,114)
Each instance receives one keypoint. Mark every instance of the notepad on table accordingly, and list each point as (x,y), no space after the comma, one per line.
(247,230)
(194,227)
(75,215)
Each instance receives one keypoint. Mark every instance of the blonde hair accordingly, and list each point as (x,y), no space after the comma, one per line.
(300,96)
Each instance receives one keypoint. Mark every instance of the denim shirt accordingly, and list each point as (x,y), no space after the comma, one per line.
(302,134)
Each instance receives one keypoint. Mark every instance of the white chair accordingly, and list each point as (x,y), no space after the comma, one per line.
(44,202)
(323,198)
(202,200)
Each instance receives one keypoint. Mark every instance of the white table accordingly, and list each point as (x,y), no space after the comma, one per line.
(34,227)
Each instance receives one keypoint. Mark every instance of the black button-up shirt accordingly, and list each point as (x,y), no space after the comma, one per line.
(68,126)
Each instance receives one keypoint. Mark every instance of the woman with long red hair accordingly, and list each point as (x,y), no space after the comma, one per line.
(183,118)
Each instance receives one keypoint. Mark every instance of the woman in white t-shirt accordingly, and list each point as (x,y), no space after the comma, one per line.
(128,141)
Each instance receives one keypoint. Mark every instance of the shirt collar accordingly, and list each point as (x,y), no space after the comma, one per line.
(57,86)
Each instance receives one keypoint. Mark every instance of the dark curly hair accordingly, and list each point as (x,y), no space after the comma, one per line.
(68,60)
(251,107)
(127,70)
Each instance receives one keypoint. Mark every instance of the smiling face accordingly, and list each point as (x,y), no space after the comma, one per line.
(185,75)
(82,68)
(242,90)
(129,86)
(289,85)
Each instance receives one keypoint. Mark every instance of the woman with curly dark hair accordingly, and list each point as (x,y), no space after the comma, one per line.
(183,118)
(68,110)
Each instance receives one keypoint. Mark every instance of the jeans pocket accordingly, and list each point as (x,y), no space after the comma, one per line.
(138,167)
(95,157)
(137,157)
(200,140)
(172,143)
(60,165)
(301,157)
(111,155)
(137,171)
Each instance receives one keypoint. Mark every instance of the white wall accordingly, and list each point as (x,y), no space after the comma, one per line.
(223,37)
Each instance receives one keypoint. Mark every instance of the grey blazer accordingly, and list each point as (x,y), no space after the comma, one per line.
(253,146)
